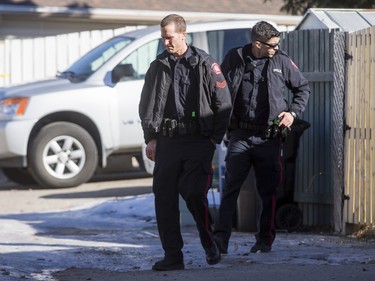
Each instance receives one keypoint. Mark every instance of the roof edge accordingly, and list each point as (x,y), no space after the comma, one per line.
(141,15)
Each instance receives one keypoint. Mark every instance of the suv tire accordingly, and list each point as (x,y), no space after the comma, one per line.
(62,155)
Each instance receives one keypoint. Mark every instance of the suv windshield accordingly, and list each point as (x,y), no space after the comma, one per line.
(94,59)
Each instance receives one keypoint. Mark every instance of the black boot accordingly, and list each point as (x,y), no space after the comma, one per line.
(223,246)
(213,255)
(168,264)
(260,247)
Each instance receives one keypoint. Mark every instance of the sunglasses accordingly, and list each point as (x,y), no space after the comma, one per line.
(273,46)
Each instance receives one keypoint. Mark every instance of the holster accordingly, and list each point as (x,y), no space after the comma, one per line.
(171,128)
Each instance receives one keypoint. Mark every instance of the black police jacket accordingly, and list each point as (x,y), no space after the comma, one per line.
(214,98)
(281,73)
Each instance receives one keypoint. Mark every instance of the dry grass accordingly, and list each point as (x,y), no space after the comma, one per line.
(366,232)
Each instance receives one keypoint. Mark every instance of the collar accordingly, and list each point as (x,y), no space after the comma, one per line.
(185,56)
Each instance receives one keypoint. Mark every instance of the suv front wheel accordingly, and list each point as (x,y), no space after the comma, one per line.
(62,155)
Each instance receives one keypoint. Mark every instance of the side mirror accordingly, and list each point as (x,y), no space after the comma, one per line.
(121,71)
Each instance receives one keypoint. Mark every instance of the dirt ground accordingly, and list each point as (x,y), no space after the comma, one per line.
(46,236)
(237,272)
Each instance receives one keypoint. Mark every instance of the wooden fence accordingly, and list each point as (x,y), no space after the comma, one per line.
(359,208)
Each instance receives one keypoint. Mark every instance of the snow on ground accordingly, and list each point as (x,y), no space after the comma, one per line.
(121,235)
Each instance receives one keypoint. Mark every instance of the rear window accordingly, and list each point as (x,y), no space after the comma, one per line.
(221,41)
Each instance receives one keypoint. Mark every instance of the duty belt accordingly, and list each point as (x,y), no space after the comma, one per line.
(171,128)
(250,126)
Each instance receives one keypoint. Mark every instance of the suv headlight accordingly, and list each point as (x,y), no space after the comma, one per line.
(13,106)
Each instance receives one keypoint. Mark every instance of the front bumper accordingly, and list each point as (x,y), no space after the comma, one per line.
(14,138)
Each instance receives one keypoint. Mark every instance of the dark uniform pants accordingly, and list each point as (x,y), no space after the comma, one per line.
(182,166)
(265,157)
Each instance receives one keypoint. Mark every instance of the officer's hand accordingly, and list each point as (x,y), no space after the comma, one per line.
(287,119)
(150,150)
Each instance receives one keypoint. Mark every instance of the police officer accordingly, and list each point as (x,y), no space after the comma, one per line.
(185,109)
(257,75)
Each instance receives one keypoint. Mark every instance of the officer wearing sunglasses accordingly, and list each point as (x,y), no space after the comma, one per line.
(257,75)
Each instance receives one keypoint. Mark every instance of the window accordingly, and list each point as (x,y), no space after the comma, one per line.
(94,59)
(221,41)
(141,58)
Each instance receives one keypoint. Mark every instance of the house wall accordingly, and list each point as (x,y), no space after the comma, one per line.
(27,27)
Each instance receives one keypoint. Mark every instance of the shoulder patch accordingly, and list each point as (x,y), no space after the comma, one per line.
(293,64)
(222,84)
(215,68)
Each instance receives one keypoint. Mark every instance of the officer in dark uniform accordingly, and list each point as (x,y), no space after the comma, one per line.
(257,75)
(185,109)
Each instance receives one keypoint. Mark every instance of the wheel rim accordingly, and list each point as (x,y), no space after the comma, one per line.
(64,157)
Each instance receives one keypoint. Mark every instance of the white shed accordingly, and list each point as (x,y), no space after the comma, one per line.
(347,20)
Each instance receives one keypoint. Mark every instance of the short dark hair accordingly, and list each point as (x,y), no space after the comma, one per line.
(178,20)
(263,31)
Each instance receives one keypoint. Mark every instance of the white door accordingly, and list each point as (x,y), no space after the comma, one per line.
(129,91)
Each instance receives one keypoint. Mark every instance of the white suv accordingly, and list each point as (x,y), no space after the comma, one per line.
(60,131)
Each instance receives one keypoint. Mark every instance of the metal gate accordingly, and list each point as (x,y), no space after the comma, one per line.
(359,207)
